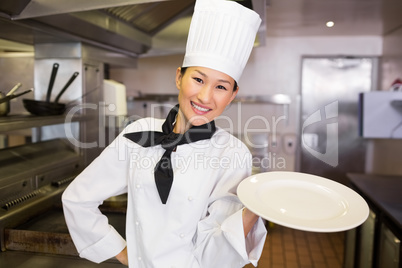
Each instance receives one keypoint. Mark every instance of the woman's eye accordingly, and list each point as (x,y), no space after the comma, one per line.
(221,87)
(199,80)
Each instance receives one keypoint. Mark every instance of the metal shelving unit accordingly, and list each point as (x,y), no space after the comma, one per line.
(17,122)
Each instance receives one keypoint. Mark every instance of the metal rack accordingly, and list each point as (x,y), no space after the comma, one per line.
(17,122)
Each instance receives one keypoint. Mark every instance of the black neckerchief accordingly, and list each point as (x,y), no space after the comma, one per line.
(169,141)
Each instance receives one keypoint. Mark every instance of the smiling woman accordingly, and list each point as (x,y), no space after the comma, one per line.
(179,215)
(203,95)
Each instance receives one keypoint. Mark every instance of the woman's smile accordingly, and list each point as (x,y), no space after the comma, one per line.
(199,109)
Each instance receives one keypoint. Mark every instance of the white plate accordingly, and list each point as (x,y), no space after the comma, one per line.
(303,201)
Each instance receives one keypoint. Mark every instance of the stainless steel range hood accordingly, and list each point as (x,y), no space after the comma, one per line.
(24,9)
(126,26)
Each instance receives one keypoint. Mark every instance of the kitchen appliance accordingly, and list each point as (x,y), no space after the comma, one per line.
(390,249)
(122,26)
(114,94)
(33,177)
(377,242)
(32,227)
(115,110)
(380,114)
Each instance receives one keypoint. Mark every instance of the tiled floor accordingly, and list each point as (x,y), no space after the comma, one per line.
(289,248)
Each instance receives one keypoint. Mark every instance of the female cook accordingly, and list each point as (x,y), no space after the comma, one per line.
(180,174)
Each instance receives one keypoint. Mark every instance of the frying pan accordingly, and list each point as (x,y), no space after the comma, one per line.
(44,108)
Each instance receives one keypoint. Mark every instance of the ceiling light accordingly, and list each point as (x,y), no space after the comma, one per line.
(330,24)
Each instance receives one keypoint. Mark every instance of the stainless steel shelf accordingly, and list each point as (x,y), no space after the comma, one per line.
(17,122)
(153,97)
(276,99)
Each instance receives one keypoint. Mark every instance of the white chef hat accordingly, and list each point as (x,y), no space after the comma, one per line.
(221,36)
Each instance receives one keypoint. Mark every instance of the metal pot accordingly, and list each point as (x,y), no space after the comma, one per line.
(5,101)
(4,106)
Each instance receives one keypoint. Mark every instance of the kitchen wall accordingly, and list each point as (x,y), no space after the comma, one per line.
(273,68)
(384,155)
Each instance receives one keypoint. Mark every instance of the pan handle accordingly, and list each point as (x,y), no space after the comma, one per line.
(12,96)
(17,86)
(66,86)
(51,82)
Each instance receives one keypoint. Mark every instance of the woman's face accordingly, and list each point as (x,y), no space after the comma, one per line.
(203,95)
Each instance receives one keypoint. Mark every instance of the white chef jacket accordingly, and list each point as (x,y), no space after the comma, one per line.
(199,226)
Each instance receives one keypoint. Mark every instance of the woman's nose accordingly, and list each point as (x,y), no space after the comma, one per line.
(205,94)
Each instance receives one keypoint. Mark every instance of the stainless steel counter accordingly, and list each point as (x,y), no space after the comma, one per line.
(383,193)
(383,231)
(33,232)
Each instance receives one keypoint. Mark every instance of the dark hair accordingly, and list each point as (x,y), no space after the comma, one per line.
(183,71)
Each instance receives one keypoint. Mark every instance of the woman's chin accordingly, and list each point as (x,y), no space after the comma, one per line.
(199,120)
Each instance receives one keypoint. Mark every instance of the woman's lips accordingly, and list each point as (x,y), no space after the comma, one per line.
(199,109)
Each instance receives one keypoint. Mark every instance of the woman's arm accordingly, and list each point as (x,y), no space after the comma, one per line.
(106,176)
(122,257)
(249,219)
(221,239)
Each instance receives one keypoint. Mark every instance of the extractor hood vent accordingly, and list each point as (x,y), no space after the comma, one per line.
(127,26)
(11,8)
(152,17)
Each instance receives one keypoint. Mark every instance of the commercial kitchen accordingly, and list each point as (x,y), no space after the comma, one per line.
(321,94)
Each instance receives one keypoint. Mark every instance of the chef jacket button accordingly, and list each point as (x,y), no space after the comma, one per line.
(139,258)
(190,198)
(138,186)
(181,235)
(137,223)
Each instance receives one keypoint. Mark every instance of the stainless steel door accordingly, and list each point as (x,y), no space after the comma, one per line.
(330,142)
